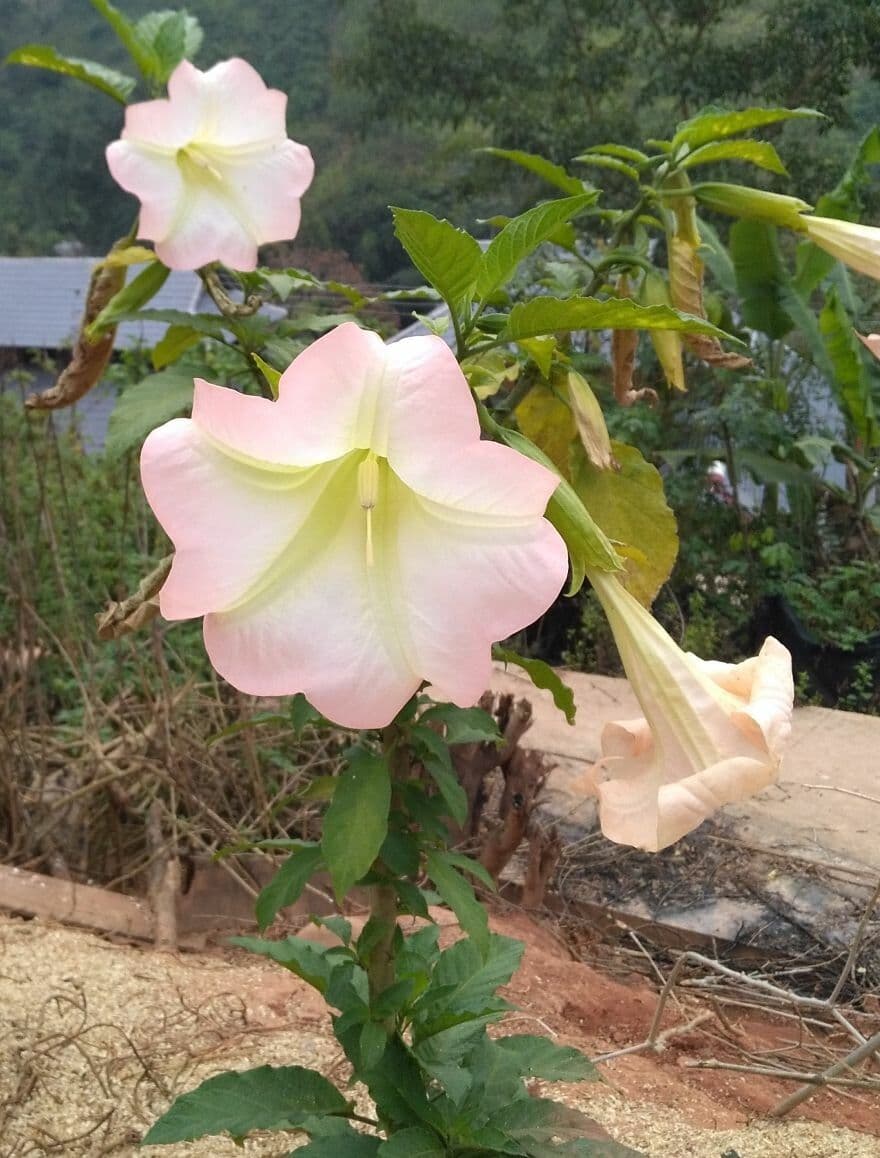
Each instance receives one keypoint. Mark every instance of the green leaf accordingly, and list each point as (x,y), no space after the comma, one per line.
(851,383)
(313,963)
(433,751)
(630,506)
(541,351)
(302,715)
(541,167)
(175,342)
(272,376)
(288,883)
(588,546)
(459,896)
(466,981)
(356,822)
(845,201)
(539,1057)
(713,124)
(130,298)
(603,161)
(107,80)
(760,153)
(138,48)
(372,1044)
(624,152)
(349,1144)
(449,258)
(542,676)
(467,864)
(174,36)
(413,1143)
(522,236)
(142,408)
(463,725)
(760,277)
(266,1098)
(547,315)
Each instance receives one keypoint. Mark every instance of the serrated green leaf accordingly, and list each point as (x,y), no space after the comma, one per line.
(143,407)
(288,883)
(106,80)
(760,153)
(630,506)
(173,345)
(542,676)
(714,124)
(130,298)
(522,235)
(413,1143)
(465,981)
(449,258)
(459,896)
(266,1098)
(539,1057)
(547,315)
(541,167)
(138,48)
(356,822)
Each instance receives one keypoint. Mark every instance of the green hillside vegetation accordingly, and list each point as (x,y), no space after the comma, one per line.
(394,99)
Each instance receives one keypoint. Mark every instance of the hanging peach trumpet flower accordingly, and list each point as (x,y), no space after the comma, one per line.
(857,246)
(355,537)
(711,735)
(213,167)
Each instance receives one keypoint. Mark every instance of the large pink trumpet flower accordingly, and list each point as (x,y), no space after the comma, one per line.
(213,167)
(711,735)
(355,537)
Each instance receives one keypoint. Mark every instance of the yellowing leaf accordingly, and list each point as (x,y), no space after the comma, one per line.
(630,507)
(549,423)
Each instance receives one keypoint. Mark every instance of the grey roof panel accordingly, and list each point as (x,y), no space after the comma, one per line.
(42,301)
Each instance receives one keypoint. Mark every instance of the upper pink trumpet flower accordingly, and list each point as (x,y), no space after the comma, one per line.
(712,733)
(354,538)
(213,167)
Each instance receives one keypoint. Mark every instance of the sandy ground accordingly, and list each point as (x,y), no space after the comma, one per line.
(96,1038)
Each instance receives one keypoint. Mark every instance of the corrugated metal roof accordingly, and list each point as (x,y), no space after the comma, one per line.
(42,301)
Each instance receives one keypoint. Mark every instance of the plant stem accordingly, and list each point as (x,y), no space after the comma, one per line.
(383,897)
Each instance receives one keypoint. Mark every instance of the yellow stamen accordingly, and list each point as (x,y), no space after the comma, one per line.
(368,495)
(194,153)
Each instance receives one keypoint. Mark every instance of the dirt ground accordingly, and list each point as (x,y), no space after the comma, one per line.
(96,1038)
